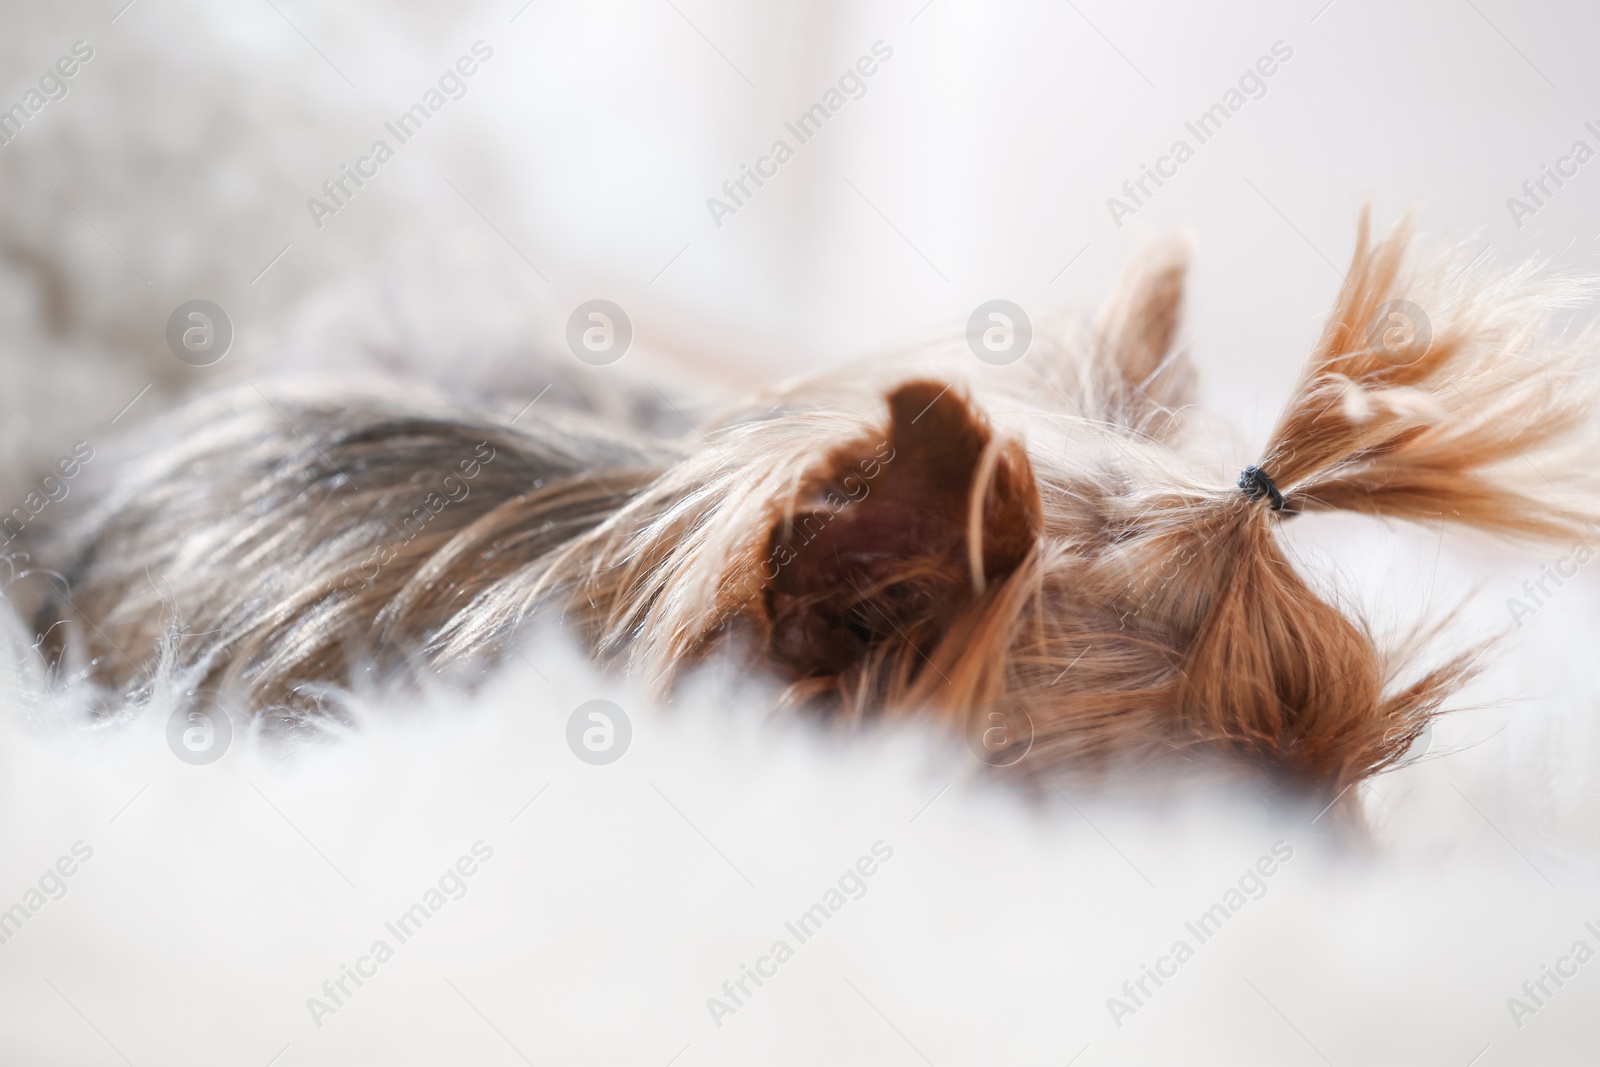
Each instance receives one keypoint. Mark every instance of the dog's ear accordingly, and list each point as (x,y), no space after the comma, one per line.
(1144,378)
(894,533)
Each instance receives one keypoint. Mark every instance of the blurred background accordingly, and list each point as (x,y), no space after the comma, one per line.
(595,152)
(976,163)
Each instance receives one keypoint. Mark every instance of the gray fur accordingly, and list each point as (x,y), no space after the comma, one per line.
(283,542)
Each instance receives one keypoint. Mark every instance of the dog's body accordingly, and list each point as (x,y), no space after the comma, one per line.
(1064,553)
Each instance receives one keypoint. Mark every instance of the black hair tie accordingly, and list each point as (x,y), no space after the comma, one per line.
(1257,483)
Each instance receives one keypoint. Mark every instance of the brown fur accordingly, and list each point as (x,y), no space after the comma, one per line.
(1064,549)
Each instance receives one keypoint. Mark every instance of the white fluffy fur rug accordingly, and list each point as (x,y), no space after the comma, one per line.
(607,905)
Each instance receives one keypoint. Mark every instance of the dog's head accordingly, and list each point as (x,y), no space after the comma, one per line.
(1047,561)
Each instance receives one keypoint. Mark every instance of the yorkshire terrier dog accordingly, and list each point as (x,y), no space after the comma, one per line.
(927,534)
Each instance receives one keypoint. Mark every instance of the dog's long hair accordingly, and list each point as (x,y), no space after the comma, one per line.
(1063,550)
